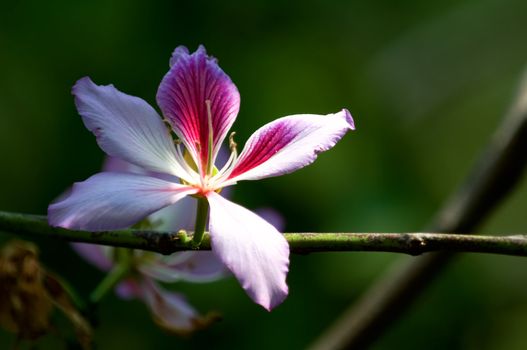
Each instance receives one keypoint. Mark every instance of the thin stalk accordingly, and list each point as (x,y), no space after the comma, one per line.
(120,270)
(201,221)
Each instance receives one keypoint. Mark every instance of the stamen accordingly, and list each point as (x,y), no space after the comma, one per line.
(170,130)
(232,144)
(167,123)
(183,163)
(229,166)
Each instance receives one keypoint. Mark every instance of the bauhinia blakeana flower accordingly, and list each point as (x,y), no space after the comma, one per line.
(200,103)
(169,309)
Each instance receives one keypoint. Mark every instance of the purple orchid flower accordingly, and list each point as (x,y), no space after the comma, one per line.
(200,103)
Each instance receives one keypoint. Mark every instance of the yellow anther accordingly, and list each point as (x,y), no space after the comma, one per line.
(232,144)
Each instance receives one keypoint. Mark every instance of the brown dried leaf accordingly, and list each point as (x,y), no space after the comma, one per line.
(29,294)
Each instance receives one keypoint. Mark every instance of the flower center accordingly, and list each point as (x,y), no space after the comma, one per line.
(206,184)
(210,178)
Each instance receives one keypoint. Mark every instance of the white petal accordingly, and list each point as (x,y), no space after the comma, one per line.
(251,248)
(108,201)
(127,127)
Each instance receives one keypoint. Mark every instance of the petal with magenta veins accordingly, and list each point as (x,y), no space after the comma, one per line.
(192,80)
(288,144)
(127,127)
(255,252)
(108,201)
(179,52)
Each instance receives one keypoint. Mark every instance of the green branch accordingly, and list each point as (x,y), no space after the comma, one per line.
(118,272)
(170,242)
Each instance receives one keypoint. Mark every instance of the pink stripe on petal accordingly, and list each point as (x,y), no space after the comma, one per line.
(255,252)
(127,127)
(191,80)
(288,144)
(108,201)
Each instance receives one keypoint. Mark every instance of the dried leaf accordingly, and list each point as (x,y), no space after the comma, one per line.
(29,294)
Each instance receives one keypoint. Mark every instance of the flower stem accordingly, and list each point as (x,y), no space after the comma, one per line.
(201,221)
(119,271)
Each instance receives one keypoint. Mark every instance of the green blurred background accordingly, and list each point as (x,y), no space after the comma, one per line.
(427,83)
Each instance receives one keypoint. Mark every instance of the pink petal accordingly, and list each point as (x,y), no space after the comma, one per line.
(185,266)
(251,248)
(95,254)
(171,310)
(108,201)
(288,144)
(193,79)
(127,127)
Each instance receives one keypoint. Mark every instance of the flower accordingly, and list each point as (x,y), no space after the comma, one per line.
(200,103)
(170,310)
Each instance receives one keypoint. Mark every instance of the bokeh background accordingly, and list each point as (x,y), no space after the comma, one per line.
(427,83)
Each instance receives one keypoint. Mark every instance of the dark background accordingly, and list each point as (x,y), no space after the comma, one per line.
(427,83)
